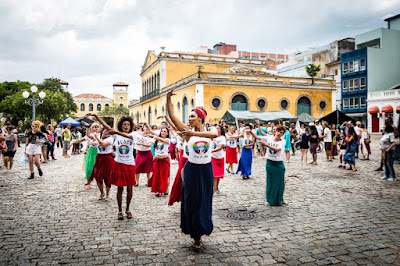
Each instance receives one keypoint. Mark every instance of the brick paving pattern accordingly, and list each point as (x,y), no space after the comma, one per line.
(332,216)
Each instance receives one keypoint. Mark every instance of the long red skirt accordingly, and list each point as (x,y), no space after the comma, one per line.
(102,168)
(176,189)
(144,162)
(218,166)
(160,175)
(231,155)
(123,175)
(172,151)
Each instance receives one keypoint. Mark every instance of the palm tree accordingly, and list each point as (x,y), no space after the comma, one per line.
(312,70)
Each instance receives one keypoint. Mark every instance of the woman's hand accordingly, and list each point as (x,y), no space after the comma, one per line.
(112,132)
(89,114)
(187,133)
(171,93)
(161,117)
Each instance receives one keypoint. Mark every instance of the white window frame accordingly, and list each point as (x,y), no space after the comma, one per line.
(362,67)
(351,66)
(345,85)
(345,68)
(355,84)
(353,103)
(362,87)
(351,84)
(345,103)
(365,102)
(356,65)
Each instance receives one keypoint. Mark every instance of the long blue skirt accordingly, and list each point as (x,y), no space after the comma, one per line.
(275,182)
(350,155)
(196,205)
(245,162)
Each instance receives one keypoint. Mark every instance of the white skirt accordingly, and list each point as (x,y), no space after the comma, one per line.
(33,149)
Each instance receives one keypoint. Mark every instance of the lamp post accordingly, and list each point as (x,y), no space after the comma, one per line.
(33,101)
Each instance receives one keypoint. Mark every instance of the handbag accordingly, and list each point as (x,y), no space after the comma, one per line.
(3,146)
(367,141)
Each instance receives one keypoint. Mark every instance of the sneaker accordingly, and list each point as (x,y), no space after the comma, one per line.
(31,176)
(40,172)
(391,179)
(384,177)
(379,169)
(340,166)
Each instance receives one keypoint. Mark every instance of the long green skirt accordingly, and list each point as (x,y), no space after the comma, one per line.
(275,182)
(89,161)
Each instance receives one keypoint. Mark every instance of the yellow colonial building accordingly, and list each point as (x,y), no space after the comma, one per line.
(95,103)
(221,83)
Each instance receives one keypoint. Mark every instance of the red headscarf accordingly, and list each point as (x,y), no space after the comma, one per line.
(201,113)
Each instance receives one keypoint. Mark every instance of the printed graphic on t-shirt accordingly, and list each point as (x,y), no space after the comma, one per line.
(102,149)
(123,149)
(247,141)
(187,150)
(201,147)
(160,146)
(231,141)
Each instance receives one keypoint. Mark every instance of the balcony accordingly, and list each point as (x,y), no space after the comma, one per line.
(384,95)
(150,95)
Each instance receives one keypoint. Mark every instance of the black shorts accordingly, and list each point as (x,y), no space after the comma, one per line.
(9,154)
(328,146)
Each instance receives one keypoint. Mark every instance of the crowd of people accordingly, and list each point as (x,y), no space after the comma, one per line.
(118,156)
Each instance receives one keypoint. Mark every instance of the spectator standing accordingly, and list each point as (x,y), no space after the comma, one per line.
(326,135)
(11,140)
(387,145)
(59,139)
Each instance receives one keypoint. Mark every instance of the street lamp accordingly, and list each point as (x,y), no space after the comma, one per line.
(33,101)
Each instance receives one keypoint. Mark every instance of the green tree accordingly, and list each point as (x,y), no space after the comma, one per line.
(312,70)
(56,104)
(114,111)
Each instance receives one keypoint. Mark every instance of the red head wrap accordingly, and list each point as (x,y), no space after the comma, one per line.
(201,113)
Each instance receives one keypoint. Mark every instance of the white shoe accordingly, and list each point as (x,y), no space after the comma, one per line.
(384,177)
(391,179)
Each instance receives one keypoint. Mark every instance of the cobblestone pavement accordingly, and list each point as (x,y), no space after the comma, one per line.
(332,216)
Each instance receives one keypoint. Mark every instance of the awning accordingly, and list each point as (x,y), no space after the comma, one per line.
(387,109)
(398,108)
(374,110)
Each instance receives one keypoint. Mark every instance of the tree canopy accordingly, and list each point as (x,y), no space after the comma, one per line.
(114,111)
(312,70)
(56,104)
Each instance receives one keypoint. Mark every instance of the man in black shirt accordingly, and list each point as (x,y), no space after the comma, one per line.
(313,143)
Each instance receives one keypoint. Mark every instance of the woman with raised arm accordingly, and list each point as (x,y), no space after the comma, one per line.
(231,148)
(218,159)
(161,163)
(123,171)
(275,168)
(144,156)
(198,179)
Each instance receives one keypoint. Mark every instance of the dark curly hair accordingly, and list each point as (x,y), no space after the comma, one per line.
(122,120)
(156,142)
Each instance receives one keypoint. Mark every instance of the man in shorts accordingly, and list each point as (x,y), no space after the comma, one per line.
(313,143)
(67,139)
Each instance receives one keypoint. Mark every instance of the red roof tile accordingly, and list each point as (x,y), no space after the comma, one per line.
(63,82)
(87,95)
(120,84)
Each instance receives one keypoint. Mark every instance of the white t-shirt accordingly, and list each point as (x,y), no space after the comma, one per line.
(328,134)
(216,142)
(162,148)
(174,139)
(107,149)
(200,150)
(271,154)
(124,149)
(139,138)
(185,149)
(179,144)
(58,131)
(319,129)
(231,142)
(91,142)
(247,141)
(357,129)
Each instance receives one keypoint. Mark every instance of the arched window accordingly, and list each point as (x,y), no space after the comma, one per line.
(82,107)
(149,115)
(303,105)
(158,80)
(121,104)
(137,117)
(185,110)
(90,107)
(121,97)
(98,107)
(106,105)
(239,102)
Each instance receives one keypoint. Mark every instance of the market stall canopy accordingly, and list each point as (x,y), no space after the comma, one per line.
(84,119)
(306,118)
(336,117)
(70,121)
(249,116)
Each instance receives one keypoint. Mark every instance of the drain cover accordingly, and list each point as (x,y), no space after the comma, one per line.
(241,215)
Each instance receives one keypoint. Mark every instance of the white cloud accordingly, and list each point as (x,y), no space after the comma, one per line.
(92,43)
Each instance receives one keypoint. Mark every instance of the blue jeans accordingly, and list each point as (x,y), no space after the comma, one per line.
(388,162)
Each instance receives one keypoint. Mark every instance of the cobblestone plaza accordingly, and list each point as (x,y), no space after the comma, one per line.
(332,216)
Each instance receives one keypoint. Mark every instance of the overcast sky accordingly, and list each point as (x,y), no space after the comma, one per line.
(94,43)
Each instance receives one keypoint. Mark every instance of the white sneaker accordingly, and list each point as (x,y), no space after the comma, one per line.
(391,179)
(384,177)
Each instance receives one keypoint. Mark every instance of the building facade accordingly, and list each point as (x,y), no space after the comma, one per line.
(374,66)
(221,83)
(91,103)
(120,94)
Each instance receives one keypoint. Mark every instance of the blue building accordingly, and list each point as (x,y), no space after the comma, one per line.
(373,66)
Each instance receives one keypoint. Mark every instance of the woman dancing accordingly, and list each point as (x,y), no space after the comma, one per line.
(197,188)
(246,157)
(218,159)
(144,156)
(231,148)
